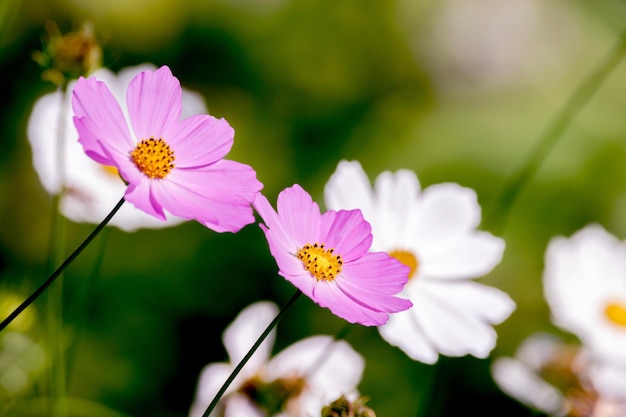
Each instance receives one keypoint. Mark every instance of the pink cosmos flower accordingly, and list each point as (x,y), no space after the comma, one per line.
(169,164)
(326,257)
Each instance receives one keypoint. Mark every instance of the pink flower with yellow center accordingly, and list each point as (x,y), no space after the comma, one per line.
(170,165)
(326,256)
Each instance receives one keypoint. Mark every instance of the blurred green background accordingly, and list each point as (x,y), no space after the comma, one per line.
(456,90)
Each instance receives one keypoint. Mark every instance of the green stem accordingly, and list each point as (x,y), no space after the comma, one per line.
(248,355)
(555,129)
(61,268)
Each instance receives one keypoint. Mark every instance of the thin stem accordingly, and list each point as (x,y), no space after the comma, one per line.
(555,129)
(61,268)
(248,355)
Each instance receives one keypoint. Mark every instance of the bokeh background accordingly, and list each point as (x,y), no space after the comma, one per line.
(456,90)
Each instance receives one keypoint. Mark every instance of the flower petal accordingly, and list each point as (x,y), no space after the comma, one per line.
(446,212)
(154,100)
(241,334)
(329,295)
(140,194)
(456,323)
(211,379)
(347,232)
(217,196)
(349,188)
(299,214)
(99,120)
(470,256)
(200,140)
(403,331)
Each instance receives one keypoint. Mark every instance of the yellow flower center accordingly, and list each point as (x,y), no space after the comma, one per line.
(616,313)
(322,263)
(153,157)
(407,258)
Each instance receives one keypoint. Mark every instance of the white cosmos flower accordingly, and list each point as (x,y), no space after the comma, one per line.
(88,190)
(434,232)
(585,286)
(315,371)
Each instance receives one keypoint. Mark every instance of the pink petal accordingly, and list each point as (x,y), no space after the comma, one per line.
(154,101)
(217,196)
(140,195)
(328,294)
(299,215)
(99,121)
(378,272)
(200,140)
(347,232)
(275,232)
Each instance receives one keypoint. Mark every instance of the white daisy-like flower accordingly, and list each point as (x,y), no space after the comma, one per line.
(296,382)
(521,377)
(88,190)
(585,287)
(433,231)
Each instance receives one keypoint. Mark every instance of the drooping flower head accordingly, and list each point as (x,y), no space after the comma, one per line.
(296,382)
(326,256)
(169,164)
(585,286)
(434,233)
(89,190)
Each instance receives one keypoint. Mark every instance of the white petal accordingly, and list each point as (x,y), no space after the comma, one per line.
(446,212)
(349,188)
(457,317)
(241,334)
(211,380)
(521,383)
(466,256)
(403,331)
(240,406)
(397,202)
(609,378)
(42,132)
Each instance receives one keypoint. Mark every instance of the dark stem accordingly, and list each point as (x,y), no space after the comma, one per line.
(248,355)
(61,268)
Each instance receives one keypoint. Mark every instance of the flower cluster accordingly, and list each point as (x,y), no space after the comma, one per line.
(395,256)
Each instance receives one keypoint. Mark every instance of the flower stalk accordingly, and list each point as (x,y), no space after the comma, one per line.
(61,268)
(553,132)
(248,355)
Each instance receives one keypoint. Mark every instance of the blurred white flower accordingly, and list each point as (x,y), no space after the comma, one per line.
(521,378)
(296,382)
(88,190)
(585,286)
(558,379)
(434,232)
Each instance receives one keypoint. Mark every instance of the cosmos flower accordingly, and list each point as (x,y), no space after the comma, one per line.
(585,286)
(560,379)
(326,256)
(434,233)
(170,165)
(88,190)
(296,382)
